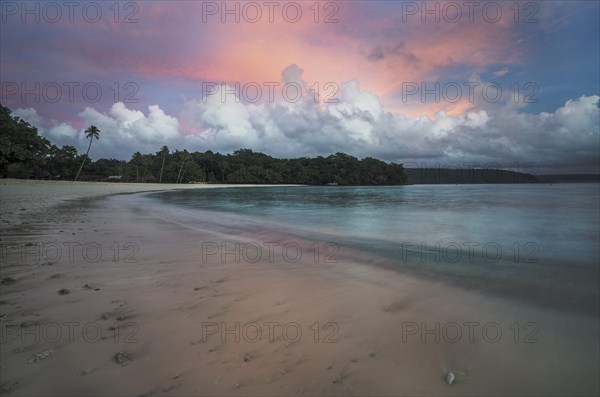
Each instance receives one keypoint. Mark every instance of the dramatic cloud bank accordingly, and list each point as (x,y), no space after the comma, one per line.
(500,133)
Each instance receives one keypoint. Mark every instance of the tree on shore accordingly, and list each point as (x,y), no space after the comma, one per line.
(146,160)
(136,159)
(165,152)
(23,152)
(185,158)
(91,133)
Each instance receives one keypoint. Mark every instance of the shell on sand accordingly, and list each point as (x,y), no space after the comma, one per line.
(450,378)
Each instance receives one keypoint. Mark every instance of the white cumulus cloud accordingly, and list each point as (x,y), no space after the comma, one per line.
(356,124)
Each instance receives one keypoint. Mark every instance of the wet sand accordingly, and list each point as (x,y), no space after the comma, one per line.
(152,309)
(23,199)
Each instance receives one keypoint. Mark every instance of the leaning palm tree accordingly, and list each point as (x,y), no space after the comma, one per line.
(184,157)
(146,162)
(188,158)
(91,133)
(165,152)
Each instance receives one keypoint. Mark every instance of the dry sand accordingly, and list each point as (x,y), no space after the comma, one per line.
(148,313)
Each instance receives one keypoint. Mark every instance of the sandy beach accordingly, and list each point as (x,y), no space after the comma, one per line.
(104,296)
(24,198)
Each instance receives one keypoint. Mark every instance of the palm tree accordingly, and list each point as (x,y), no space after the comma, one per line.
(184,157)
(146,161)
(165,152)
(188,158)
(136,159)
(91,133)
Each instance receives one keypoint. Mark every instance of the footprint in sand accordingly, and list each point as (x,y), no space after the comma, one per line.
(9,386)
(37,357)
(123,358)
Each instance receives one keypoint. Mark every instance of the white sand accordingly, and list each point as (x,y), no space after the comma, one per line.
(168,300)
(20,199)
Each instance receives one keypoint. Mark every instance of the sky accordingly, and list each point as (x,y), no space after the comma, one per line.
(509,84)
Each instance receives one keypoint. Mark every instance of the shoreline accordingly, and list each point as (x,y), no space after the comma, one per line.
(175,321)
(22,199)
(542,282)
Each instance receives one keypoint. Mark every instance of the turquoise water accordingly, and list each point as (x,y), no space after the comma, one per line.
(529,239)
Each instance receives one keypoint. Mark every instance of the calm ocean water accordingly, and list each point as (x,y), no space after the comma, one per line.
(527,240)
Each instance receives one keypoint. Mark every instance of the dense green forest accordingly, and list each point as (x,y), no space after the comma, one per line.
(26,154)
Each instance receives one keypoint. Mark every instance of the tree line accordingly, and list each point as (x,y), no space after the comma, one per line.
(26,154)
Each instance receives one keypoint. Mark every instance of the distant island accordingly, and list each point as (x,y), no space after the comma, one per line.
(569,178)
(432,176)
